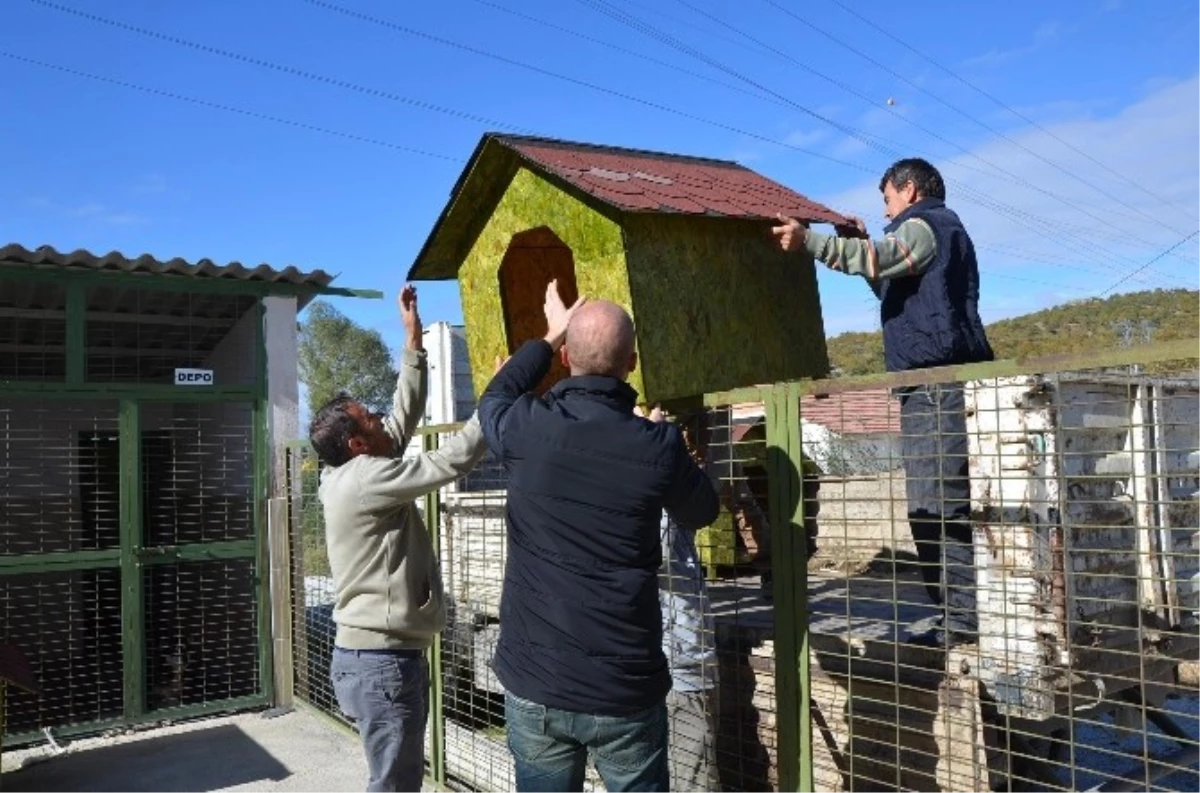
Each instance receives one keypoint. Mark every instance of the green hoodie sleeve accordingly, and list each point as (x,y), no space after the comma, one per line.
(906,252)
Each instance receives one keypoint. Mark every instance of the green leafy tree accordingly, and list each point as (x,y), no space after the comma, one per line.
(337,354)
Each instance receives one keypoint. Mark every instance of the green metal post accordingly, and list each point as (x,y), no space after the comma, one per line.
(785,470)
(133,619)
(437,705)
(800,589)
(262,483)
(76,332)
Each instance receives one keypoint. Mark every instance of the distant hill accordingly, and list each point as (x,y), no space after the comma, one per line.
(1075,326)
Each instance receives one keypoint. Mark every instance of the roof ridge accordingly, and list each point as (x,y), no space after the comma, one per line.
(504,138)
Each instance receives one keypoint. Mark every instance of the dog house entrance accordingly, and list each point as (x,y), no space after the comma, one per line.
(534,258)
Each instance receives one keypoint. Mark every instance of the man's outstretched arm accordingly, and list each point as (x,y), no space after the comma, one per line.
(907,251)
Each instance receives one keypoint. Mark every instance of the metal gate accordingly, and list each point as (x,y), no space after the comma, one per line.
(131,509)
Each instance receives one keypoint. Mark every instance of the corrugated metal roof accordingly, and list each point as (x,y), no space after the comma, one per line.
(648,181)
(46,256)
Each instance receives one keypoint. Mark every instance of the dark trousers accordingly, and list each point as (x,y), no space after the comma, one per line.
(938,487)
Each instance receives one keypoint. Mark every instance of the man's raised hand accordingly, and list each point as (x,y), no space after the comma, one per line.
(558,315)
(790,233)
(410,316)
(855,229)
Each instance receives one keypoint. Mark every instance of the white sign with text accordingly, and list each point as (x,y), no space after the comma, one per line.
(193,377)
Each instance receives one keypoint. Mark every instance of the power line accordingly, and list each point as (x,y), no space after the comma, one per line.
(994,274)
(1011,110)
(1008,211)
(623,50)
(930,132)
(319,78)
(866,139)
(429,105)
(1057,260)
(1147,264)
(573,80)
(1012,213)
(230,109)
(778,102)
(846,45)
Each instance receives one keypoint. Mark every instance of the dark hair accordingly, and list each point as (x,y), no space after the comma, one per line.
(331,430)
(924,177)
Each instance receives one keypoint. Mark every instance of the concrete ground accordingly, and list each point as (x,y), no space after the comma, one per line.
(295,751)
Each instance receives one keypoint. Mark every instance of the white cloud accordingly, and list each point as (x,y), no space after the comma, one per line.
(90,211)
(806,137)
(1043,35)
(1151,142)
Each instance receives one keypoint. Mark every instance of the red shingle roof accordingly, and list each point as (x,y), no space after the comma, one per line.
(873,412)
(643,181)
(868,412)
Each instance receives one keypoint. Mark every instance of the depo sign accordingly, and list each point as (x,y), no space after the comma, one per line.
(193,377)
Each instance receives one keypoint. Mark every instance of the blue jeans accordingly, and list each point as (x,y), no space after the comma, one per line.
(387,695)
(551,747)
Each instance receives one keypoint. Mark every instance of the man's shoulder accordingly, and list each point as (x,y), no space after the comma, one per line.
(350,475)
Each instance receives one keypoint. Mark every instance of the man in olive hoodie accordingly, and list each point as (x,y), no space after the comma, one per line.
(389,602)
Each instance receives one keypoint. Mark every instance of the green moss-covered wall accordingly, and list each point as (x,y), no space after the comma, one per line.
(718,306)
(530,202)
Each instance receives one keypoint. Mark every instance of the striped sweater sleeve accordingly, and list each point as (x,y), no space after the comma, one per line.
(905,252)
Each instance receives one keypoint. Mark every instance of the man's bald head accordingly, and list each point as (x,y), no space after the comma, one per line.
(600,340)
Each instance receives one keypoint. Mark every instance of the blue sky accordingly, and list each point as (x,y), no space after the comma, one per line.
(1067,131)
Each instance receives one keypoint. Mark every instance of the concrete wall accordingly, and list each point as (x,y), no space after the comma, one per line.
(861,518)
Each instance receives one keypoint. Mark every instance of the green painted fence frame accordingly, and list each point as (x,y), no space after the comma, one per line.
(131,558)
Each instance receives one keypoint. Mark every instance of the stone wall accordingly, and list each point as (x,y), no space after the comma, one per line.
(862,517)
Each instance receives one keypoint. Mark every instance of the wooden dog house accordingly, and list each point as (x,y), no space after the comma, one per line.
(683,243)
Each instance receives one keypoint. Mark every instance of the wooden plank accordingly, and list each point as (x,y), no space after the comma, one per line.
(280,554)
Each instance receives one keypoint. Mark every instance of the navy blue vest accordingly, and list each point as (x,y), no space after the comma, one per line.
(932,319)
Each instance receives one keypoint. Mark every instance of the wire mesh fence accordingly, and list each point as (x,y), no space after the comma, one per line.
(1029,620)
(717,613)
(919,583)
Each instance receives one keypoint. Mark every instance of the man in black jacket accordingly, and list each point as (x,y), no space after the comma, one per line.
(580,650)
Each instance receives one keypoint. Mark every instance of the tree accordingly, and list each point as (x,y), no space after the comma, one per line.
(336,354)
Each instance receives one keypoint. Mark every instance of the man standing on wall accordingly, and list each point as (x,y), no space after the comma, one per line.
(388,589)
(926,277)
(580,651)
